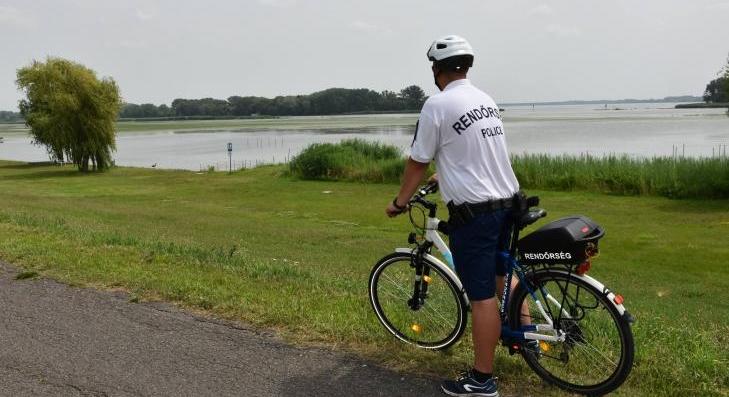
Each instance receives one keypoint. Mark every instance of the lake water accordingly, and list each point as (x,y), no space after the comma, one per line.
(632,129)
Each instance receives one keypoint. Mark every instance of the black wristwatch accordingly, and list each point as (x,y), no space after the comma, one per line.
(399,208)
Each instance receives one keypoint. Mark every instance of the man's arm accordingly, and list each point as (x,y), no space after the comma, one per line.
(412,177)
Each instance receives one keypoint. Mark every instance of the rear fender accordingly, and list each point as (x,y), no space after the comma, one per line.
(598,285)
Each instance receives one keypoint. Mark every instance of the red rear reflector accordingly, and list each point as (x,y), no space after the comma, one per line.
(515,347)
(583,267)
(585,229)
(618,299)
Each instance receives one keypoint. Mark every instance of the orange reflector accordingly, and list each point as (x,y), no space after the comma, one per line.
(427,279)
(583,267)
(416,328)
(618,299)
(544,345)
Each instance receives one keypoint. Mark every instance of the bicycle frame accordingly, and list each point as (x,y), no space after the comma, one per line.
(528,332)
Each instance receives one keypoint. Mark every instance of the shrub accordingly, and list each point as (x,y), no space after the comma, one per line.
(351,160)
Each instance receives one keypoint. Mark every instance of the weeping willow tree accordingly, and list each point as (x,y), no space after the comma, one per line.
(70,111)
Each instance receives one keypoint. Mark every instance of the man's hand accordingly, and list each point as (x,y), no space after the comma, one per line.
(433,178)
(393,211)
(414,172)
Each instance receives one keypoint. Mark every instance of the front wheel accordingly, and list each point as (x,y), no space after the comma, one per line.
(417,301)
(597,353)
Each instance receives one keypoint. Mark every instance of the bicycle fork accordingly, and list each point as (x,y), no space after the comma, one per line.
(422,279)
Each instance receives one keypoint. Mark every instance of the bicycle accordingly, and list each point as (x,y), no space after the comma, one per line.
(570,329)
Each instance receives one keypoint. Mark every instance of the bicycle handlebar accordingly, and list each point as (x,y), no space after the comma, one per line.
(425,190)
(525,213)
(418,198)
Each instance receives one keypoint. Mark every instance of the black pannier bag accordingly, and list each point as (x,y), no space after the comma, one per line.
(564,241)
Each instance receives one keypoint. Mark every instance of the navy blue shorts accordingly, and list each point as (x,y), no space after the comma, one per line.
(474,246)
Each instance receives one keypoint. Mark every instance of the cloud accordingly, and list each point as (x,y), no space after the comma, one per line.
(541,10)
(369,28)
(563,31)
(277,3)
(719,6)
(14,17)
(144,15)
(133,44)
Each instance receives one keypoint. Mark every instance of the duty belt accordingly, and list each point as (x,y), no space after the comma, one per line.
(463,213)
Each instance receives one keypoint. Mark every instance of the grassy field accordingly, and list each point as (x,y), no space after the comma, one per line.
(295,256)
(287,123)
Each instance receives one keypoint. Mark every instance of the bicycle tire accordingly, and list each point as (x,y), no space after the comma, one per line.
(442,318)
(583,375)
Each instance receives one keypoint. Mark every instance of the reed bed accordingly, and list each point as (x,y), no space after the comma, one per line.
(673,177)
(668,176)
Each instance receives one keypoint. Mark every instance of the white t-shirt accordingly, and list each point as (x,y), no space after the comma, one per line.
(460,128)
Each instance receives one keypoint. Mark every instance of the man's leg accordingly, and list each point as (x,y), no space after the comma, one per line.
(526,317)
(474,246)
(485,329)
(486,332)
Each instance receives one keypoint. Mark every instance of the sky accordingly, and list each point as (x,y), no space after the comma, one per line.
(526,51)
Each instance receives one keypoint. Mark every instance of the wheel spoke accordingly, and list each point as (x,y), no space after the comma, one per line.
(437,318)
(593,352)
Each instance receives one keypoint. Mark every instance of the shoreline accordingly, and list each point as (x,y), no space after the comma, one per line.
(702,105)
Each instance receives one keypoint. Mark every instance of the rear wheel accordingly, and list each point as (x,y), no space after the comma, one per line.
(597,354)
(427,310)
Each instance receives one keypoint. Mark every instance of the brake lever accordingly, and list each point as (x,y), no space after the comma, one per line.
(428,189)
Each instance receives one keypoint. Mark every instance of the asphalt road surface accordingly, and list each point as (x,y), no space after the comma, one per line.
(57,340)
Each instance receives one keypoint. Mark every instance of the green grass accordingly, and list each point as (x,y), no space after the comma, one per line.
(352,160)
(679,177)
(26,275)
(283,254)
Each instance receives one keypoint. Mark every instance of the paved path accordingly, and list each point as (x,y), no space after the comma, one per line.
(57,340)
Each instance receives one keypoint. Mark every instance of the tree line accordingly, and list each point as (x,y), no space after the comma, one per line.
(10,117)
(717,90)
(326,102)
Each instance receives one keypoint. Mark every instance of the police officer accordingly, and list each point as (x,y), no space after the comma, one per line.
(460,129)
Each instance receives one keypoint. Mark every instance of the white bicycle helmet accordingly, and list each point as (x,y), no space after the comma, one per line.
(448,47)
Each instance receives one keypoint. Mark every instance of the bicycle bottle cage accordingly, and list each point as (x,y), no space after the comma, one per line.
(568,240)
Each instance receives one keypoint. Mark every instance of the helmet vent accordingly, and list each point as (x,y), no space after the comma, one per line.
(441,46)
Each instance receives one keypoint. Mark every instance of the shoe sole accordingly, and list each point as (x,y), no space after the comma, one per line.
(450,393)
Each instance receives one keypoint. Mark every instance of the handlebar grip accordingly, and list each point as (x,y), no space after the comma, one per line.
(432,187)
